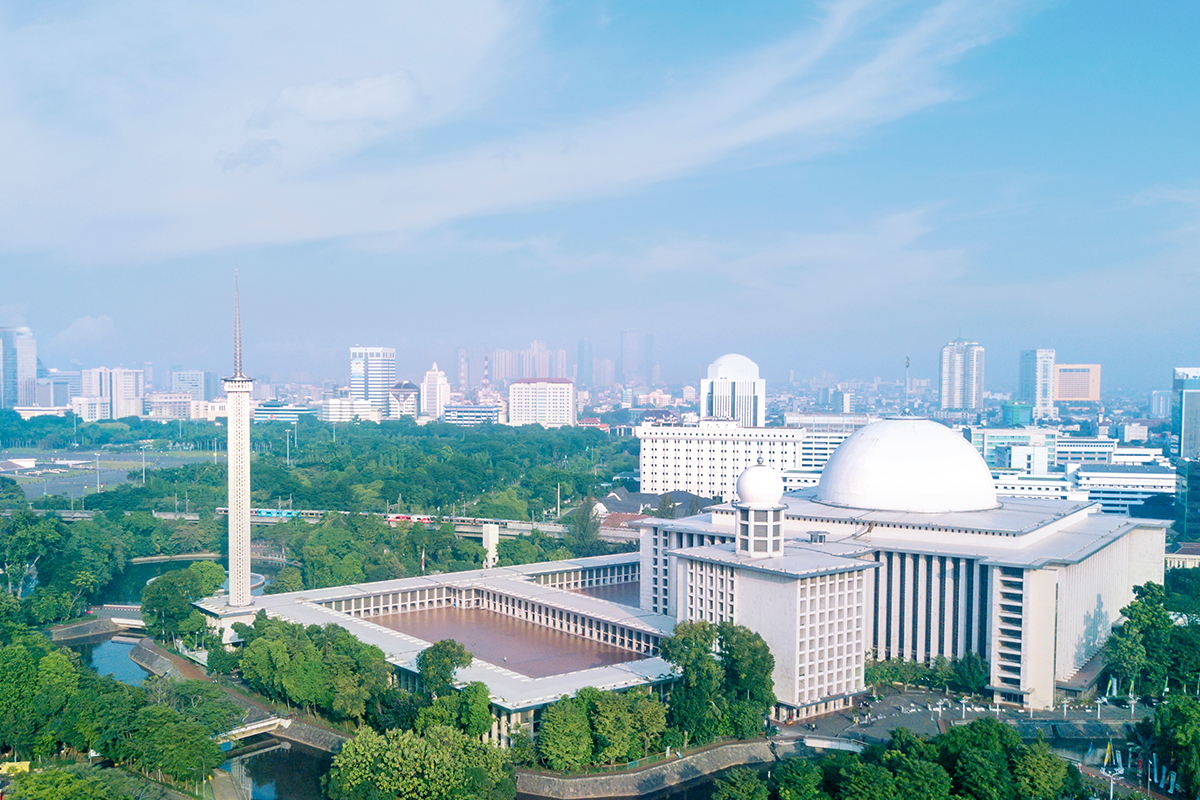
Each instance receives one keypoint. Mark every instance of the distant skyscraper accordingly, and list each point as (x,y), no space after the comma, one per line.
(125,389)
(372,375)
(558,364)
(237,389)
(435,393)
(605,372)
(631,358)
(962,375)
(1035,381)
(583,365)
(734,390)
(504,367)
(199,384)
(18,367)
(1160,404)
(1185,413)
(1078,383)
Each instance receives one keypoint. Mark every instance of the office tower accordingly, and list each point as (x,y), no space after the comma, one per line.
(605,372)
(648,365)
(237,389)
(631,358)
(148,371)
(1035,381)
(201,385)
(18,367)
(464,371)
(1079,383)
(1185,413)
(504,367)
(549,402)
(372,375)
(1160,404)
(558,364)
(435,393)
(583,365)
(125,389)
(405,400)
(962,375)
(733,390)
(487,370)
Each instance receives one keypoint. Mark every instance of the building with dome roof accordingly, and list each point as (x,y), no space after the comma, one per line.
(734,390)
(909,538)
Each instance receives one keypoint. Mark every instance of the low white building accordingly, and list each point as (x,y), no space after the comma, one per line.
(1121,488)
(549,402)
(1031,585)
(1084,450)
(343,409)
(91,409)
(169,405)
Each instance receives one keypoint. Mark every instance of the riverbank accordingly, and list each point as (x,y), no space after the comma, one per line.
(179,557)
(660,776)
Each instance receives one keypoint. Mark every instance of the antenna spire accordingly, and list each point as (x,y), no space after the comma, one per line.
(237,329)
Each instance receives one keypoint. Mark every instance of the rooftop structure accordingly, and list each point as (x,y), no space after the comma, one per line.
(733,390)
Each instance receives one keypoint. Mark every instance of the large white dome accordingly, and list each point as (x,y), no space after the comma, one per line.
(734,367)
(907,464)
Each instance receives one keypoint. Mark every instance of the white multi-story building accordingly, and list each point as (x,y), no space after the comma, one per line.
(548,402)
(1084,450)
(1035,381)
(1121,488)
(706,459)
(1031,585)
(372,375)
(822,435)
(91,409)
(962,375)
(435,393)
(733,390)
(169,405)
(405,400)
(987,440)
(344,409)
(810,602)
(124,389)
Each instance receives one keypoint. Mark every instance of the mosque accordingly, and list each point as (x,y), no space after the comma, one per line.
(903,550)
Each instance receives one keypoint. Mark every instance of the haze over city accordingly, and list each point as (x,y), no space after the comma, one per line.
(820,186)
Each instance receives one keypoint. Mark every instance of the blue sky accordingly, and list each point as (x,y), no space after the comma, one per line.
(821,186)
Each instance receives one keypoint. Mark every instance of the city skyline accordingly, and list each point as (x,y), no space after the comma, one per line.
(1009,172)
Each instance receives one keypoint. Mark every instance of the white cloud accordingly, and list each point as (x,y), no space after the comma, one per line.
(380,98)
(156,145)
(84,332)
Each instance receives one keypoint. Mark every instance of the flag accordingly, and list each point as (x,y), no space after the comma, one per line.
(422,560)
(1108,754)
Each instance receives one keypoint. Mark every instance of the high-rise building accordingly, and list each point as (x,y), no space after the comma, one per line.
(549,402)
(583,365)
(503,367)
(962,375)
(1160,404)
(1185,413)
(199,384)
(604,372)
(237,390)
(1035,381)
(631,367)
(405,400)
(734,390)
(18,367)
(125,389)
(372,375)
(558,364)
(1077,383)
(435,393)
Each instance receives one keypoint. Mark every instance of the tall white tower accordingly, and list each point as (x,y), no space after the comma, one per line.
(237,390)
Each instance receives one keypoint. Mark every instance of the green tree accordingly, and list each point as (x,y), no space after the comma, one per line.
(983,775)
(1177,731)
(564,739)
(696,702)
(612,728)
(438,663)
(474,710)
(798,779)
(1039,774)
(917,779)
(583,530)
(648,720)
(167,601)
(862,781)
(740,784)
(212,576)
(289,579)
(748,665)
(971,674)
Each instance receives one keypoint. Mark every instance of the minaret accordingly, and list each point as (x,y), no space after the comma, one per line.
(237,391)
(760,511)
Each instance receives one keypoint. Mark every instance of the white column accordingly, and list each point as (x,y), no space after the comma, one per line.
(960,647)
(977,599)
(238,392)
(920,650)
(894,641)
(937,619)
